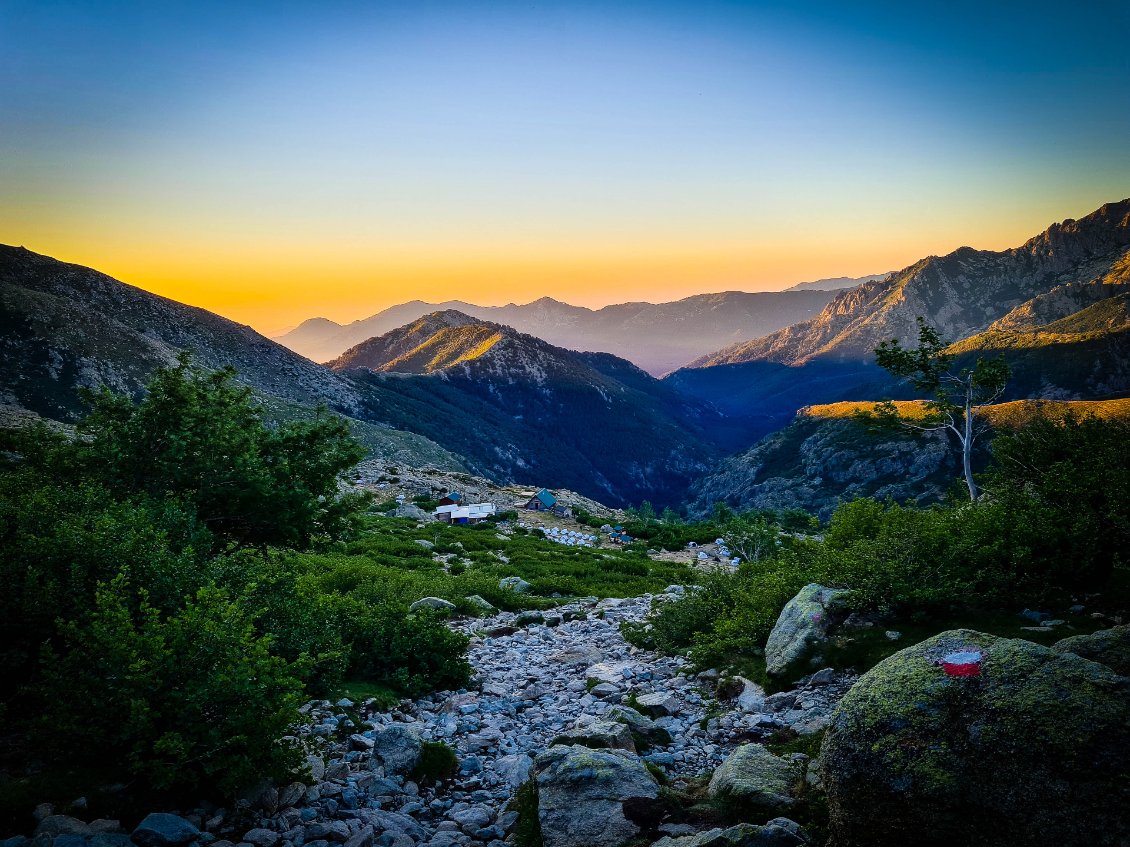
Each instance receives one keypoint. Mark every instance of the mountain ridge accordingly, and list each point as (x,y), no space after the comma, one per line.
(939,287)
(658,337)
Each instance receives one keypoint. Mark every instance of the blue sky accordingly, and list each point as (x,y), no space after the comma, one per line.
(278,160)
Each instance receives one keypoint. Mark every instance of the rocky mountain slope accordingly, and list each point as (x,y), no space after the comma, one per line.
(837,283)
(1070,267)
(64,327)
(656,337)
(520,409)
(961,294)
(827,455)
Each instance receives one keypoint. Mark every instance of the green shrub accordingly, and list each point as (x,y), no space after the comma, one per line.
(193,701)
(437,763)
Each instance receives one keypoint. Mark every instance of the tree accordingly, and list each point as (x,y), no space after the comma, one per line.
(1067,482)
(199,438)
(957,394)
(753,537)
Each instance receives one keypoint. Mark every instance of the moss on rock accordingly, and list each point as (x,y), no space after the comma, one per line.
(1033,750)
(1110,647)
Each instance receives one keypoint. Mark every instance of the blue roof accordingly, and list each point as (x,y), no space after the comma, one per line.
(547,499)
(454,495)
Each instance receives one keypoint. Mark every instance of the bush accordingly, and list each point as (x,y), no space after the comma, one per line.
(194,701)
(410,654)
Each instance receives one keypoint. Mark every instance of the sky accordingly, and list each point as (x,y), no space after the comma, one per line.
(279,160)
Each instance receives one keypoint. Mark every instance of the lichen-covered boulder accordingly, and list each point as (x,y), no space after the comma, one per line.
(779,832)
(1110,647)
(802,623)
(755,777)
(396,749)
(1018,745)
(642,727)
(582,795)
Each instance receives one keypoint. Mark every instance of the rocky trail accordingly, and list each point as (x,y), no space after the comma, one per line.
(566,678)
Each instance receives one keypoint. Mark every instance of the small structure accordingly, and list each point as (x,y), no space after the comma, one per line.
(454,498)
(475,513)
(543,501)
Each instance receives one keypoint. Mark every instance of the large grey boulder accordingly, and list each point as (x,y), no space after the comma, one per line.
(582,795)
(1110,647)
(397,749)
(1032,748)
(755,777)
(779,832)
(161,829)
(802,623)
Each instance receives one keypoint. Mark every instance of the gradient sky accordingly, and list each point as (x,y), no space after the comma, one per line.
(274,161)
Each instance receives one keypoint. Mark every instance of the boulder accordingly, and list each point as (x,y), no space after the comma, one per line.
(658,704)
(802,623)
(641,726)
(752,696)
(1110,647)
(396,749)
(600,735)
(610,672)
(515,768)
(1006,743)
(515,584)
(779,832)
(161,829)
(54,825)
(582,795)
(432,603)
(755,777)
(480,605)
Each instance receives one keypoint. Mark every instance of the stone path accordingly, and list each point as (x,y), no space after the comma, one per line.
(568,673)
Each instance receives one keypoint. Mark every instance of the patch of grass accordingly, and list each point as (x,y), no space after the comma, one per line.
(359,690)
(437,763)
(527,831)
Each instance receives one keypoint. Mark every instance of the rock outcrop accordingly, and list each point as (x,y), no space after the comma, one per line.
(1022,745)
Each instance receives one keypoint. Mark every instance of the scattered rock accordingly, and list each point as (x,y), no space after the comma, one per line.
(1032,748)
